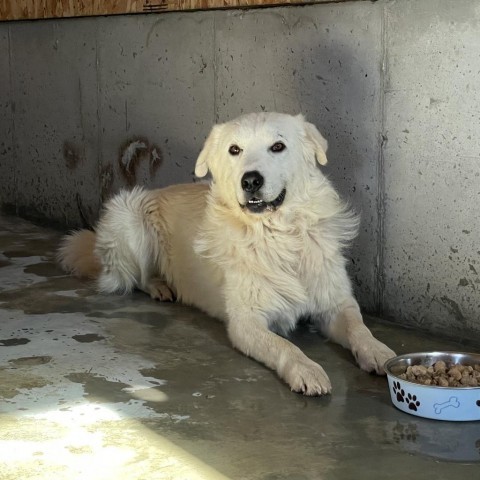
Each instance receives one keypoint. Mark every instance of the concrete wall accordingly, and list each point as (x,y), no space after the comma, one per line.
(431,165)
(393,85)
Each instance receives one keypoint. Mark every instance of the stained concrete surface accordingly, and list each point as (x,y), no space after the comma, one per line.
(121,387)
(432,165)
(53,67)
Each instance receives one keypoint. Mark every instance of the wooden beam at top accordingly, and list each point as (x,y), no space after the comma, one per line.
(38,9)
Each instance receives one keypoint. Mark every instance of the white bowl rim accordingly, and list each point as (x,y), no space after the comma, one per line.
(388,364)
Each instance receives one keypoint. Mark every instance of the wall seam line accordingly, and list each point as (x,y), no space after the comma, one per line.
(101,198)
(12,112)
(215,106)
(380,266)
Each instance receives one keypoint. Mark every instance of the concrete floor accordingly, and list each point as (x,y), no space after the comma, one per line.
(111,387)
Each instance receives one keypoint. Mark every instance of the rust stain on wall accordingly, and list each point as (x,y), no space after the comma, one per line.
(106,181)
(156,159)
(71,155)
(133,152)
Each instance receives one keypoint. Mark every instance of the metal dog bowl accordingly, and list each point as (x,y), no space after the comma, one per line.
(457,404)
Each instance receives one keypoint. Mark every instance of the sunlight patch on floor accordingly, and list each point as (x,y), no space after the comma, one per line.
(92,442)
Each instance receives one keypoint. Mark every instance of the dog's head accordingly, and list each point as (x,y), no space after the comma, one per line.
(259,161)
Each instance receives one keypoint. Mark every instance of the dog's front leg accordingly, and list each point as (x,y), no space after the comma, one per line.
(345,326)
(249,333)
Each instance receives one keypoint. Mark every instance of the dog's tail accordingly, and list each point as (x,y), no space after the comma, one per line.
(76,254)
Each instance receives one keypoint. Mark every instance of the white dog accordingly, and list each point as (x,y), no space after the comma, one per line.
(258,248)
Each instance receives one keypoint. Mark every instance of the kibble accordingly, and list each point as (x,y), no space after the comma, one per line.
(443,375)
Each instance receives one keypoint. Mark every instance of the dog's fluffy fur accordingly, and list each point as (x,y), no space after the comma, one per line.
(257,254)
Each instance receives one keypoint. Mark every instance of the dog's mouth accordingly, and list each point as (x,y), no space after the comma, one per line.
(256,205)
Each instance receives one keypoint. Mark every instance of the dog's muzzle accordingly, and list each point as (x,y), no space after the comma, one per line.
(252,182)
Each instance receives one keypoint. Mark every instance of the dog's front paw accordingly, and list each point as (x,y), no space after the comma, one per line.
(371,355)
(307,377)
(159,290)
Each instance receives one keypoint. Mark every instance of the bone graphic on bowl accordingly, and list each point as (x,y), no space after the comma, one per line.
(452,402)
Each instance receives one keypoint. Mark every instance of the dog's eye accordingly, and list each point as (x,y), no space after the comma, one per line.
(278,147)
(234,150)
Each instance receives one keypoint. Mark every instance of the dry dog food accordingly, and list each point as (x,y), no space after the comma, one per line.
(443,375)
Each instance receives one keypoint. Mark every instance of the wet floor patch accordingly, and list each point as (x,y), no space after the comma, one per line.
(83,364)
(14,275)
(45,269)
(88,338)
(23,381)
(46,297)
(4,263)
(16,253)
(23,246)
(99,389)
(29,361)
(13,342)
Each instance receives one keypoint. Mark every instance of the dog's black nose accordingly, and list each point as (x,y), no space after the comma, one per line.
(252,181)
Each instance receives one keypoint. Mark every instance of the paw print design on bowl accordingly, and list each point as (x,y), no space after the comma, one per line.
(401,396)
(412,401)
(398,391)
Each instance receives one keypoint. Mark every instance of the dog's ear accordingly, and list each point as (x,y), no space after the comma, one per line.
(208,150)
(320,145)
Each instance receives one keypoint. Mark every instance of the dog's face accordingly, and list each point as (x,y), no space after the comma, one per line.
(259,161)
